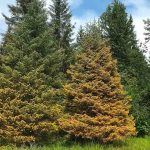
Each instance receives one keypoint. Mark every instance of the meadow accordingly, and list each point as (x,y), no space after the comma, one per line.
(129,144)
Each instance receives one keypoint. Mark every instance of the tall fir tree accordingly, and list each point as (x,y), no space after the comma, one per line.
(80,35)
(30,80)
(97,106)
(118,28)
(17,12)
(147,41)
(62,29)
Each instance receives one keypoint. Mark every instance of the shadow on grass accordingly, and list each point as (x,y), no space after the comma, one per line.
(84,143)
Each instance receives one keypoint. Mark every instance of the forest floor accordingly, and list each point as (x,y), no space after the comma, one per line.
(129,144)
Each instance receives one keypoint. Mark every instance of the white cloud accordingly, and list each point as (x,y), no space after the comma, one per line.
(135,3)
(73,3)
(48,3)
(4,9)
(140,11)
(78,21)
(1,17)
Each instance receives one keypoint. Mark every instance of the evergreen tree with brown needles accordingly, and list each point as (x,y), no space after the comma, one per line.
(97,105)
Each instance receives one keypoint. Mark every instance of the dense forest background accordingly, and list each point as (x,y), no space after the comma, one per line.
(52,87)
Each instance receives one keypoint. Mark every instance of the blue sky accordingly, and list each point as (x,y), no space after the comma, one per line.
(86,10)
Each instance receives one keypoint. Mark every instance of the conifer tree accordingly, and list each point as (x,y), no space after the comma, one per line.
(61,23)
(17,12)
(62,29)
(80,35)
(118,28)
(30,81)
(97,106)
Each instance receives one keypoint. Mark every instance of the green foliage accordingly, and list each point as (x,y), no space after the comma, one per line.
(30,81)
(80,36)
(118,28)
(61,23)
(61,29)
(17,13)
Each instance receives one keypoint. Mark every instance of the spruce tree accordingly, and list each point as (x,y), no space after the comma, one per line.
(61,28)
(80,36)
(118,28)
(30,81)
(17,12)
(97,106)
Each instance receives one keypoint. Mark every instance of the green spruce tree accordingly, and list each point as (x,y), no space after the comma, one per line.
(61,28)
(17,12)
(80,36)
(118,28)
(30,80)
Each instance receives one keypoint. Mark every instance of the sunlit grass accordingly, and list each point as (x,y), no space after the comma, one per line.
(129,144)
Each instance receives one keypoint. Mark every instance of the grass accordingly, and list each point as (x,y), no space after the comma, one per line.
(129,144)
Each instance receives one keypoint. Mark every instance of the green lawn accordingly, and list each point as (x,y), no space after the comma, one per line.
(130,144)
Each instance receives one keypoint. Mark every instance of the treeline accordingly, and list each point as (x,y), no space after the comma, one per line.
(51,87)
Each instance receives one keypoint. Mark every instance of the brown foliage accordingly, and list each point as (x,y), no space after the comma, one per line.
(27,114)
(97,105)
